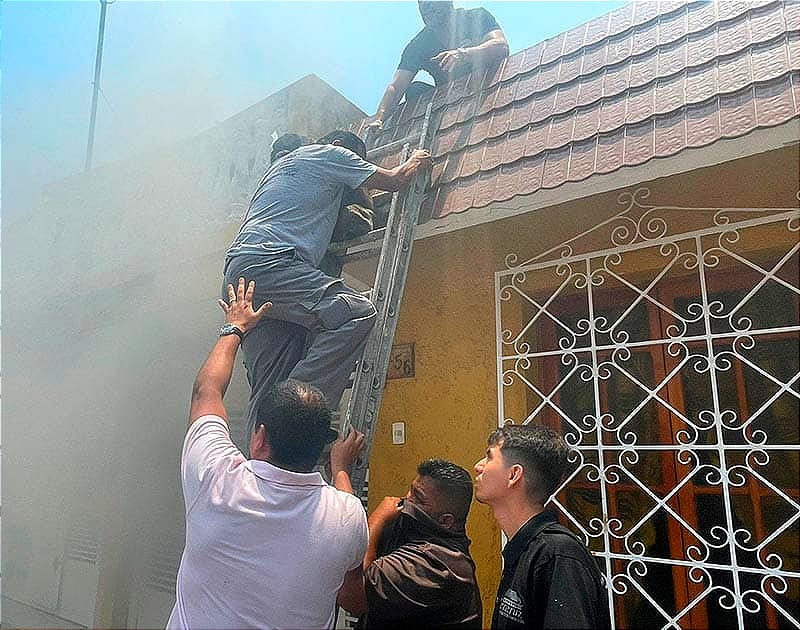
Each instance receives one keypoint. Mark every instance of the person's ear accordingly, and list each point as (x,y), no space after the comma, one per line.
(259,445)
(447,520)
(515,475)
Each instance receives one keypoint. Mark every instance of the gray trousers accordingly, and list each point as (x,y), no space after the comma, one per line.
(305,300)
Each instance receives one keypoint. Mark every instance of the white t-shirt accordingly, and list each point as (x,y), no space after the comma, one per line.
(265,547)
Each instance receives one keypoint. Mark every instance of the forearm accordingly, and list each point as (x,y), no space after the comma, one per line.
(215,375)
(488,51)
(341,481)
(389,101)
(376,527)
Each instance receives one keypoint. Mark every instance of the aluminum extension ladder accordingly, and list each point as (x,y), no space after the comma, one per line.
(387,294)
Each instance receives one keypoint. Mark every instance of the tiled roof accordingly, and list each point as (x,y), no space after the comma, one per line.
(645,81)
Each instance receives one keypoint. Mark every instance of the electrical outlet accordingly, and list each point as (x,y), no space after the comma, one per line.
(398,433)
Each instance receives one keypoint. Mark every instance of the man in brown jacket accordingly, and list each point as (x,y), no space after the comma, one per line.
(417,570)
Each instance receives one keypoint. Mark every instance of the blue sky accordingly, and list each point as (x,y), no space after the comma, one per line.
(173,69)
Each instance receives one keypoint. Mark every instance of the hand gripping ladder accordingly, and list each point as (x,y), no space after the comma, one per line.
(387,294)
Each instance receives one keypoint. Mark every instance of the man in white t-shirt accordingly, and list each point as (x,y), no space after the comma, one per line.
(268,542)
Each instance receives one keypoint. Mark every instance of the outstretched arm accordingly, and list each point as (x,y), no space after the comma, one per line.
(214,377)
(493,47)
(398,177)
(391,97)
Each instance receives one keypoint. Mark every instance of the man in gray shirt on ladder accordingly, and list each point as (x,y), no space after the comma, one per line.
(285,234)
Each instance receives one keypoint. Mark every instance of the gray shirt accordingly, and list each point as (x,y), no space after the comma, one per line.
(297,202)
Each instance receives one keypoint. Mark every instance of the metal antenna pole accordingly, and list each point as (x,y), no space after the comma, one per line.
(96,85)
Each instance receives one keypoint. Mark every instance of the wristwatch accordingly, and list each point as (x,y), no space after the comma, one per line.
(230,329)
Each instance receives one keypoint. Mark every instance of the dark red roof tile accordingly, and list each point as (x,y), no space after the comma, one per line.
(701,15)
(449,117)
(532,58)
(672,27)
(734,73)
(641,104)
(458,89)
(670,133)
(618,50)
(547,77)
(501,121)
(553,48)
(429,205)
(587,120)
(573,39)
(452,167)
(701,48)
(594,58)
(495,153)
(769,61)
(556,167)
(484,189)
(570,68)
(701,83)
(567,97)
(645,38)
(774,102)
(616,80)
(543,106)
(440,96)
(505,94)
(493,74)
(639,143)
(536,139)
(521,114)
(596,30)
(737,113)
(669,94)
(671,59)
(612,113)
(702,123)
(560,132)
(487,99)
(609,151)
(464,194)
(480,129)
(437,171)
(581,161)
(512,65)
(467,110)
(767,23)
(507,181)
(621,19)
(527,85)
(448,140)
(515,145)
(731,37)
(530,175)
(643,70)
(591,89)
(473,157)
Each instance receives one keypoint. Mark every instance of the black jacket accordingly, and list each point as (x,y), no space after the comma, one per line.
(549,580)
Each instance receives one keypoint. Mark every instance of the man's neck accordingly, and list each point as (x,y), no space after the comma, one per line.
(512,515)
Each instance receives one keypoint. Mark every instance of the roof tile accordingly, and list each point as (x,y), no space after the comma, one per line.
(452,167)
(591,89)
(437,171)
(619,49)
(471,163)
(501,121)
(644,12)
(484,189)
(672,27)
(639,143)
(570,68)
(495,153)
(449,140)
(507,181)
(732,9)
(734,73)
(505,94)
(573,39)
(795,81)
(644,69)
(457,89)
(731,37)
(553,48)
(527,85)
(581,161)
(645,38)
(530,175)
(521,114)
(701,48)
(512,64)
(494,74)
(769,61)
(556,167)
(640,104)
(767,23)
(793,50)
(596,30)
(560,132)
(737,113)
(487,99)
(587,120)
(702,123)
(449,117)
(567,97)
(670,133)
(791,14)
(612,113)
(701,83)
(774,102)
(616,79)
(671,59)
(536,140)
(701,15)
(467,109)
(594,58)
(543,106)
(621,19)
(480,129)
(515,145)
(532,58)
(547,77)
(609,151)
(669,94)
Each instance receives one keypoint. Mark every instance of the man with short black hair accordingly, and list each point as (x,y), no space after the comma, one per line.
(284,236)
(549,578)
(268,542)
(453,41)
(418,572)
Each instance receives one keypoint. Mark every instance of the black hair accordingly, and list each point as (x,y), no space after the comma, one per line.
(542,453)
(287,143)
(297,420)
(454,484)
(348,140)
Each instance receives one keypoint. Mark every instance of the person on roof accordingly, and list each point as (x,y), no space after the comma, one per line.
(284,236)
(452,42)
(418,572)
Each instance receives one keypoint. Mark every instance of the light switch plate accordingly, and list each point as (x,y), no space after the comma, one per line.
(398,432)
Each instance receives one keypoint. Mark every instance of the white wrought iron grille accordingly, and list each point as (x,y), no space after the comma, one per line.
(663,343)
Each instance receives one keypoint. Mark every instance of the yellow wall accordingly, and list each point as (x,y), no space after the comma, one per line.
(450,406)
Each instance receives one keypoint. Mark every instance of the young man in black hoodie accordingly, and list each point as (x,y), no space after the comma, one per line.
(417,570)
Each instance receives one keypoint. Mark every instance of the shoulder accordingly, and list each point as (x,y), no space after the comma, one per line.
(480,16)
(418,50)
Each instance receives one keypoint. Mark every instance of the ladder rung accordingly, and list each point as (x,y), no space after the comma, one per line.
(391,146)
(361,254)
(374,238)
(381,197)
